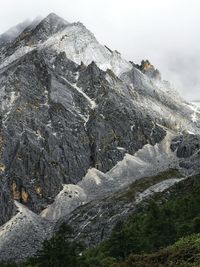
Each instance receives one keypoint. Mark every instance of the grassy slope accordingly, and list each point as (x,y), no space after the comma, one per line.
(184,253)
(157,225)
(144,183)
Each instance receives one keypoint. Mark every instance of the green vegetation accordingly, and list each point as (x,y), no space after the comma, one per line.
(10,265)
(145,239)
(142,184)
(150,230)
(184,253)
(59,251)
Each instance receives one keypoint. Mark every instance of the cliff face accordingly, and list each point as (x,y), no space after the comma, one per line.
(75,112)
(55,125)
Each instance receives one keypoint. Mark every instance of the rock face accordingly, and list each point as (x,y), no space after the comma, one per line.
(148,69)
(52,130)
(186,145)
(187,148)
(7,209)
(76,119)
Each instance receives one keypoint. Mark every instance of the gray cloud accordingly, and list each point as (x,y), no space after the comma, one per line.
(167,32)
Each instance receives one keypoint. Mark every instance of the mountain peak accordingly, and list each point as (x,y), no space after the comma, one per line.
(52,18)
(48,27)
(51,24)
(42,29)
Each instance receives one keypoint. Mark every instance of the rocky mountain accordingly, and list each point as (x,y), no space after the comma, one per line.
(78,125)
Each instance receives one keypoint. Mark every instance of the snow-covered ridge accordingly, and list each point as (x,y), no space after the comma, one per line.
(91,102)
(67,200)
(80,45)
(17,54)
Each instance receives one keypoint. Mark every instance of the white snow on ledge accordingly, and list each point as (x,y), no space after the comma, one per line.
(80,45)
(91,102)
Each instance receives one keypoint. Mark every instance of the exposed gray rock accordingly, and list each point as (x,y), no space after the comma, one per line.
(35,32)
(52,134)
(93,222)
(43,134)
(186,145)
(35,231)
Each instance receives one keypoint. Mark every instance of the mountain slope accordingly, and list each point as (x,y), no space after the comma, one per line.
(35,230)
(185,252)
(78,122)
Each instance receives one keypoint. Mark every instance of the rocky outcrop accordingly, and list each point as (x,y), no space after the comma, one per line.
(186,145)
(37,31)
(148,69)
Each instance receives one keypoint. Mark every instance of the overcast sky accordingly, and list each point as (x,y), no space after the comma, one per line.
(167,32)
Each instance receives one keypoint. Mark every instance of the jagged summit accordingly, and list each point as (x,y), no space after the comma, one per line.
(52,18)
(79,44)
(47,27)
(52,23)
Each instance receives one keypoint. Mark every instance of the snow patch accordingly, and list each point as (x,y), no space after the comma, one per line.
(121,148)
(17,54)
(91,102)
(80,45)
